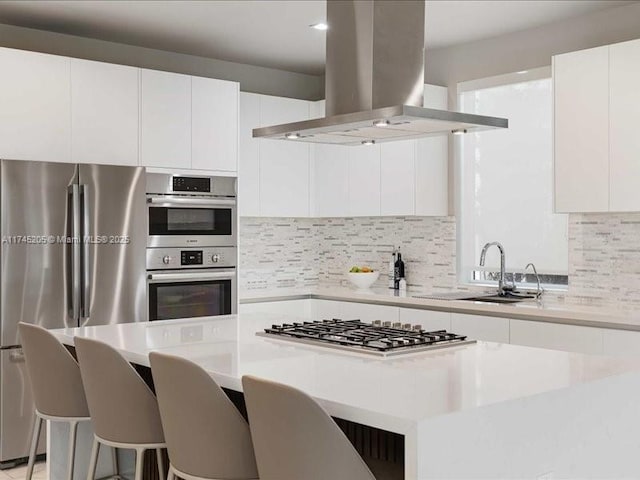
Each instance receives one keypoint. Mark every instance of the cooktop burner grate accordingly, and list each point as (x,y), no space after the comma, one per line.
(378,338)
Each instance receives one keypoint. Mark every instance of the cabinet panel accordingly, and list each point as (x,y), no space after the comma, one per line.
(165,120)
(248,163)
(368,313)
(620,342)
(104,113)
(364,180)
(581,140)
(554,336)
(329,181)
(478,327)
(294,308)
(429,319)
(325,309)
(35,112)
(284,166)
(214,129)
(624,148)
(397,178)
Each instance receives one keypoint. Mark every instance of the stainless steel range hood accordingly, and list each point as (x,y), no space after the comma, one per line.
(375,80)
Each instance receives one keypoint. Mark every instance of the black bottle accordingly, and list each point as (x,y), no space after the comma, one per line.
(398,271)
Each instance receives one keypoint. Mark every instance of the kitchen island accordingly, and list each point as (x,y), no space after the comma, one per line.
(484,410)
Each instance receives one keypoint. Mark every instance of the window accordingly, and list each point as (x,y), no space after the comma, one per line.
(506,183)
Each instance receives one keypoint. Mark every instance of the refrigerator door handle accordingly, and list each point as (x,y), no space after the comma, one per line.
(74,253)
(86,264)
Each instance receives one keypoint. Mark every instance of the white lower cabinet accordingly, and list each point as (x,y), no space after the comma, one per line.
(620,342)
(296,308)
(479,327)
(327,309)
(556,336)
(429,319)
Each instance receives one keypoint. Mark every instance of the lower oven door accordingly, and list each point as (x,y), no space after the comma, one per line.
(191,293)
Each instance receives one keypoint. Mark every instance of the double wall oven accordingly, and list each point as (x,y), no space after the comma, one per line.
(191,246)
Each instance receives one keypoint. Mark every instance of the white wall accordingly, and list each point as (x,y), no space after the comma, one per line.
(254,79)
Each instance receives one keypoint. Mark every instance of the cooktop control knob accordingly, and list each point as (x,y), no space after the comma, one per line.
(166,259)
(215,258)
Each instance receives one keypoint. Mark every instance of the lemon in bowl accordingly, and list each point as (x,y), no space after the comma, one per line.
(362,277)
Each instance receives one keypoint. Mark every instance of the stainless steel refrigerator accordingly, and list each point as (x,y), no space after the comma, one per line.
(72,254)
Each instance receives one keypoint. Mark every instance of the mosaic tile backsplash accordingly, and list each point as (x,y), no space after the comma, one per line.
(302,252)
(604,258)
(604,253)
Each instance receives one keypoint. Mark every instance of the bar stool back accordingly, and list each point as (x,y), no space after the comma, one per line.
(55,380)
(123,407)
(207,437)
(294,438)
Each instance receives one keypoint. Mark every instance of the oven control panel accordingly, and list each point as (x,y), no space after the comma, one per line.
(184,258)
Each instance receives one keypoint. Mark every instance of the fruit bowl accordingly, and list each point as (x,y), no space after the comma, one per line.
(362,280)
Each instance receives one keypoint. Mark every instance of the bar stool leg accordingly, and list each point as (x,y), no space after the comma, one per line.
(114,460)
(161,474)
(139,463)
(35,436)
(95,451)
(172,475)
(73,430)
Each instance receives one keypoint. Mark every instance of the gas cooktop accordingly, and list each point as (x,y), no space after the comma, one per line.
(378,338)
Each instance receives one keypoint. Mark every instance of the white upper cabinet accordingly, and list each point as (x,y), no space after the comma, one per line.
(35,106)
(165,120)
(214,124)
(364,181)
(249,158)
(581,139)
(330,181)
(284,166)
(624,113)
(104,113)
(397,177)
(432,162)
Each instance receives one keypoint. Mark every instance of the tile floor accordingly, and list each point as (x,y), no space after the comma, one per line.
(18,473)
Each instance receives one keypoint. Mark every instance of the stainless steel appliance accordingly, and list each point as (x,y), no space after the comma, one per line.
(72,254)
(382,339)
(188,282)
(374,81)
(191,211)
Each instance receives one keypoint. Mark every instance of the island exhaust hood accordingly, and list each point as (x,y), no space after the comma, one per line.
(375,80)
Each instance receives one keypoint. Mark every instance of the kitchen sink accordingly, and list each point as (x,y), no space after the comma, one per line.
(488,297)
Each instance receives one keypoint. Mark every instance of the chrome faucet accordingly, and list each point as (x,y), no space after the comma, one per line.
(502,288)
(539,290)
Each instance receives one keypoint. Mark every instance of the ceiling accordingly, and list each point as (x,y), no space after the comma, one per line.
(270,33)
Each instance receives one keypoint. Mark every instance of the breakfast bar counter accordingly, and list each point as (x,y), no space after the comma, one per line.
(482,410)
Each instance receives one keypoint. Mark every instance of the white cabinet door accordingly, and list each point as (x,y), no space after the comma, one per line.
(325,309)
(432,162)
(35,106)
(284,166)
(569,338)
(429,319)
(620,342)
(214,124)
(364,181)
(165,120)
(249,160)
(397,178)
(368,313)
(329,181)
(293,308)
(624,113)
(581,139)
(104,113)
(478,327)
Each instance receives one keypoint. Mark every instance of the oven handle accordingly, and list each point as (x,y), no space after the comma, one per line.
(192,276)
(213,202)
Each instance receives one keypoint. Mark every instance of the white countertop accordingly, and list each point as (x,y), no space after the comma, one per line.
(552,308)
(395,394)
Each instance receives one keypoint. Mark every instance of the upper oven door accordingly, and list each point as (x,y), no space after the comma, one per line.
(191,221)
